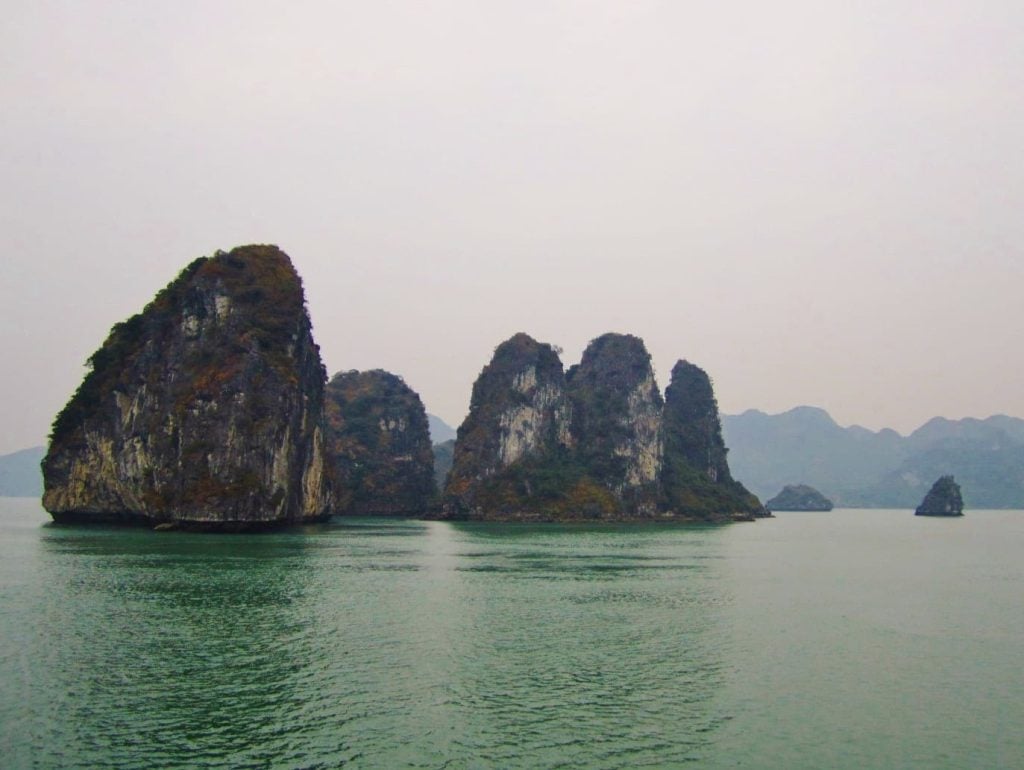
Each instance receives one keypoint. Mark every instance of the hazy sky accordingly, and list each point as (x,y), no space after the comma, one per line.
(818,202)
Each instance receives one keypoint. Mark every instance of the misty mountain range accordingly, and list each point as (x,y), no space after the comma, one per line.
(859,468)
(440,431)
(20,475)
(854,467)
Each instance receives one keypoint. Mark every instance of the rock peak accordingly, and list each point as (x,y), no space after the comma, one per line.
(599,442)
(204,410)
(378,441)
(943,499)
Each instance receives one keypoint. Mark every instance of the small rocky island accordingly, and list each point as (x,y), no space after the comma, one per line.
(943,499)
(598,442)
(204,411)
(799,497)
(379,443)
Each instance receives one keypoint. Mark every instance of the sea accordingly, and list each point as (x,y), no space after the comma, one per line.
(848,639)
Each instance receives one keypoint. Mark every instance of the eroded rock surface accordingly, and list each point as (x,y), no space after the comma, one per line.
(696,480)
(205,410)
(519,417)
(596,443)
(379,444)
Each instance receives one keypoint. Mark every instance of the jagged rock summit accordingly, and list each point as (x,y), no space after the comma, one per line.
(203,411)
(943,499)
(799,497)
(379,443)
(518,421)
(596,443)
(616,420)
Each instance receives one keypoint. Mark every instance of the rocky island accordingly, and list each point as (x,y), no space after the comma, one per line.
(799,497)
(379,443)
(943,499)
(598,442)
(204,411)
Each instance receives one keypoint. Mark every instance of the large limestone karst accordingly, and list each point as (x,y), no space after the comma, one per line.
(695,476)
(616,420)
(598,442)
(379,443)
(518,425)
(205,410)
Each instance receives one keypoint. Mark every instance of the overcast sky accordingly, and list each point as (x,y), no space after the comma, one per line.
(818,202)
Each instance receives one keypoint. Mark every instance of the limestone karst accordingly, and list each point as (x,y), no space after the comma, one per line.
(598,442)
(943,499)
(205,410)
(379,444)
(799,497)
(695,476)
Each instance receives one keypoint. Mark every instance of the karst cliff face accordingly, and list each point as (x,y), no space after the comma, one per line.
(617,412)
(596,443)
(204,410)
(519,416)
(378,442)
(943,499)
(695,477)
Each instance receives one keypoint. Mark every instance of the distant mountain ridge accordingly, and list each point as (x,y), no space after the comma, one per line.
(857,467)
(440,431)
(20,473)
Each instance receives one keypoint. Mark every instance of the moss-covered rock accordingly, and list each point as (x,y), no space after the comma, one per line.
(617,414)
(515,437)
(943,499)
(598,443)
(379,443)
(799,497)
(204,410)
(695,476)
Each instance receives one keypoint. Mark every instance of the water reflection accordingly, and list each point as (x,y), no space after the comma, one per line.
(167,644)
(379,643)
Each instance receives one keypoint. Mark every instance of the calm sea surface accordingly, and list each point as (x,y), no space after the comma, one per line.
(850,639)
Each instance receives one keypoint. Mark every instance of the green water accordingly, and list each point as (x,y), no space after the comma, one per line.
(844,639)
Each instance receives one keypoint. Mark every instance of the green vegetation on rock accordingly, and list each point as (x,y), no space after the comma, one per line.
(598,443)
(379,443)
(695,477)
(205,409)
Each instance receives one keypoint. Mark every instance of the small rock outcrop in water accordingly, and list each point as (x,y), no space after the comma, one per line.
(597,442)
(203,411)
(695,478)
(943,499)
(799,497)
(379,442)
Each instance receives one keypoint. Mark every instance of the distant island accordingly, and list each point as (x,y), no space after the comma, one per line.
(943,499)
(799,497)
(204,411)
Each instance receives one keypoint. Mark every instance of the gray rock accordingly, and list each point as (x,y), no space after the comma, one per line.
(206,409)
